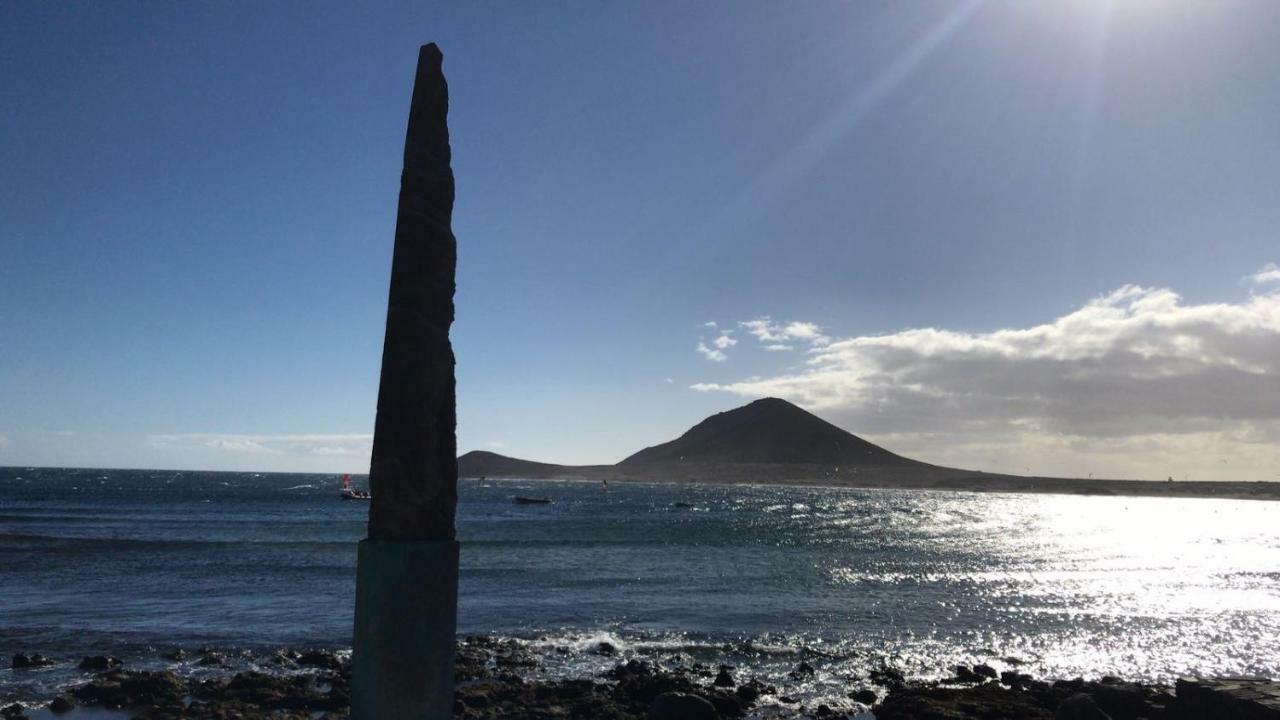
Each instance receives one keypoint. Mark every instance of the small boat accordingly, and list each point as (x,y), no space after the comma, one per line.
(349,493)
(522,500)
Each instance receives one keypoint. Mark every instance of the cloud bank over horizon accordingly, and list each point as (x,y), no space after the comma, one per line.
(1135,383)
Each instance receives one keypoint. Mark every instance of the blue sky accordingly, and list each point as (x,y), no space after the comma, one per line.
(198,203)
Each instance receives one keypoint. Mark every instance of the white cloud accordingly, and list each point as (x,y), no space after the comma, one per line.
(776,335)
(712,354)
(724,341)
(4,442)
(710,324)
(496,444)
(779,347)
(314,444)
(670,381)
(1135,376)
(1269,273)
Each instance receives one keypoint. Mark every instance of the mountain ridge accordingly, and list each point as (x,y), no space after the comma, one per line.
(768,430)
(771,441)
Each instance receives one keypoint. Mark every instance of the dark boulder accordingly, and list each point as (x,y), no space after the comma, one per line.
(270,692)
(1080,707)
(1226,699)
(13,712)
(681,706)
(988,701)
(985,671)
(22,661)
(887,677)
(1122,701)
(98,663)
(60,706)
(319,659)
(723,678)
(864,696)
(124,689)
(751,691)
(803,670)
(1016,679)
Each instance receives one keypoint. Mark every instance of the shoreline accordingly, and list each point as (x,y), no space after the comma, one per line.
(497,680)
(974,483)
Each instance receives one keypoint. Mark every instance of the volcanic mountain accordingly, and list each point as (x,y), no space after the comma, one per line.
(772,441)
(767,434)
(768,431)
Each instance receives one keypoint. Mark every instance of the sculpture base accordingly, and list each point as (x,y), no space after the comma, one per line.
(406,619)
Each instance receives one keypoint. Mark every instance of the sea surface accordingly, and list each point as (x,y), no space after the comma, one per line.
(135,563)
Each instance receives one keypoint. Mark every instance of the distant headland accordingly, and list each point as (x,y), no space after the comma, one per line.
(772,441)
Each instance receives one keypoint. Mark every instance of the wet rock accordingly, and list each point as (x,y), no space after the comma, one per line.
(803,670)
(640,683)
(985,671)
(471,662)
(681,706)
(753,689)
(607,649)
(22,661)
(1121,700)
(1226,699)
(271,692)
(887,677)
(124,688)
(283,657)
(99,663)
(1016,679)
(1080,707)
(319,659)
(512,655)
(988,701)
(178,655)
(60,706)
(212,659)
(17,712)
(866,697)
(723,678)
(728,705)
(965,675)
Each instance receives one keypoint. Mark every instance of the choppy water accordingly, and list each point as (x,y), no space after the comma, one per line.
(130,562)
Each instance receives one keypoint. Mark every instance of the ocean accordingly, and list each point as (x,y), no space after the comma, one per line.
(135,563)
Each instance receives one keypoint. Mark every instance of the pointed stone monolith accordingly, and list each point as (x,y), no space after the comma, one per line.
(407,569)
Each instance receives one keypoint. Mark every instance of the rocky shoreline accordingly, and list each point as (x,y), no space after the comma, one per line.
(495,682)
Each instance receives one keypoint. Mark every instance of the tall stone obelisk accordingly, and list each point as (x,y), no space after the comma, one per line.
(407,572)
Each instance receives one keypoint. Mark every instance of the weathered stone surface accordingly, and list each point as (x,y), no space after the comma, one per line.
(1227,699)
(413,472)
(98,663)
(989,701)
(1080,707)
(125,689)
(23,661)
(681,706)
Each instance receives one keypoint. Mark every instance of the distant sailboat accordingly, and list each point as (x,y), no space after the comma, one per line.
(348,493)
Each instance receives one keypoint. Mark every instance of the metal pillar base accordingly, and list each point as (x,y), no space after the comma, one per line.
(406,614)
